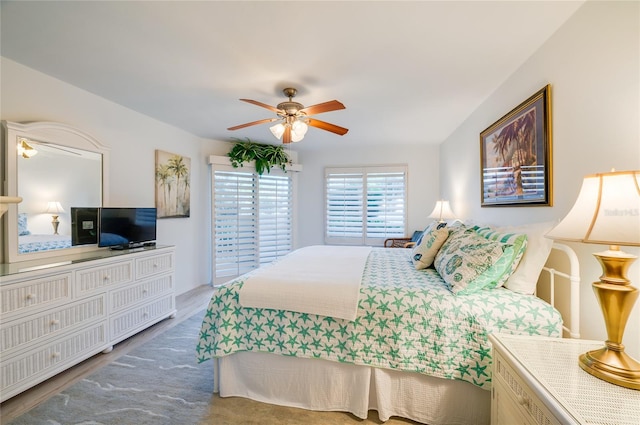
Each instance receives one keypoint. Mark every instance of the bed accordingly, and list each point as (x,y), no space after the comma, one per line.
(415,349)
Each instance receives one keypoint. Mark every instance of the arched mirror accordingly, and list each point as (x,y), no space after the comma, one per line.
(60,173)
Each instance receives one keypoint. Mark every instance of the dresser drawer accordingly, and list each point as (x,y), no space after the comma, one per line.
(35,294)
(136,293)
(149,266)
(130,321)
(34,366)
(88,280)
(520,397)
(20,332)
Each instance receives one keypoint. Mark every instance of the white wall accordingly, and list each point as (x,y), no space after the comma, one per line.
(422,186)
(28,95)
(593,66)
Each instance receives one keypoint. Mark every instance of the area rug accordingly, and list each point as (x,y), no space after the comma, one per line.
(157,383)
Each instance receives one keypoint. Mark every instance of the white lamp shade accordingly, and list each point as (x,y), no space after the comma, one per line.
(277,130)
(298,130)
(606,212)
(442,211)
(54,207)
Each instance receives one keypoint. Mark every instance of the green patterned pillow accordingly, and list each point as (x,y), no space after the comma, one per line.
(518,240)
(469,263)
(425,252)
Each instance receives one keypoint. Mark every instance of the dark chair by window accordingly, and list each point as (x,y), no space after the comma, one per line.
(403,242)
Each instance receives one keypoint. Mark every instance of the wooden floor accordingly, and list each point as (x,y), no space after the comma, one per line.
(187,304)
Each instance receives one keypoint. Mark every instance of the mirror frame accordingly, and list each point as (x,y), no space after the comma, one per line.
(44,132)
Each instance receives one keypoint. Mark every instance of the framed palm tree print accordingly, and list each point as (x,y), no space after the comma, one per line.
(515,156)
(173,195)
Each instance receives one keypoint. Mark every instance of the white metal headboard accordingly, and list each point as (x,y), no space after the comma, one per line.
(571,277)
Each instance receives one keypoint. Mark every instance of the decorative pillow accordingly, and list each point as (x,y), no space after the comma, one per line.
(425,252)
(431,226)
(525,278)
(22,225)
(469,262)
(519,242)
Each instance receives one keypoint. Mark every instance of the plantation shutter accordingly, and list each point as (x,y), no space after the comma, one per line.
(275,223)
(344,206)
(386,203)
(364,205)
(235,223)
(252,220)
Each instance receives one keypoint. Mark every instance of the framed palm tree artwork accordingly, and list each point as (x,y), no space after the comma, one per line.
(515,156)
(173,195)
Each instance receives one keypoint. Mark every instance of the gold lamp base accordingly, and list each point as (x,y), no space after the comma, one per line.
(613,366)
(55,222)
(616,297)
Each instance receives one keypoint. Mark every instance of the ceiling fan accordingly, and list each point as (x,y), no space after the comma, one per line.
(295,118)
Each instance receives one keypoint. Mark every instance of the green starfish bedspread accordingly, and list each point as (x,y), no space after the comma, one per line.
(407,320)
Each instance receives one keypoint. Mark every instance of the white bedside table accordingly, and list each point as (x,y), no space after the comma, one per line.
(538,381)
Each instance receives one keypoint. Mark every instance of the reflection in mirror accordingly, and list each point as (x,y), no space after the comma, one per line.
(56,169)
(52,179)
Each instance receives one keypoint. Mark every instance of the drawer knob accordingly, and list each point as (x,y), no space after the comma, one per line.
(54,322)
(523,401)
(55,355)
(155,265)
(106,278)
(145,290)
(31,297)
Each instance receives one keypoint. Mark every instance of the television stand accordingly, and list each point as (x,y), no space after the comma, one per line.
(78,305)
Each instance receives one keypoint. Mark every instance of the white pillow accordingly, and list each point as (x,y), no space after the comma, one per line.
(525,277)
(424,253)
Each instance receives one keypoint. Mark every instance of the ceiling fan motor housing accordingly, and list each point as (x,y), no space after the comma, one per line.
(290,108)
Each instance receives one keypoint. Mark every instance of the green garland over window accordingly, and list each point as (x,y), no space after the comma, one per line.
(265,156)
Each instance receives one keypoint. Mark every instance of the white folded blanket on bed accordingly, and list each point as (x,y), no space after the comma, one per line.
(323,280)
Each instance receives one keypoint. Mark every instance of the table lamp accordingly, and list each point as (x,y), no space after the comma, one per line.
(607,212)
(442,211)
(54,208)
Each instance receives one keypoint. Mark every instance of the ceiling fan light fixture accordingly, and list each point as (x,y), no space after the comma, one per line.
(298,130)
(25,149)
(277,130)
(299,127)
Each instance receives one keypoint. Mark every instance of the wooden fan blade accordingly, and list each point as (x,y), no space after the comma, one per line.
(264,105)
(286,137)
(253,123)
(327,126)
(332,105)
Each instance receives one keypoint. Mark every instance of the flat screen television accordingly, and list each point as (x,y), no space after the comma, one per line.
(122,228)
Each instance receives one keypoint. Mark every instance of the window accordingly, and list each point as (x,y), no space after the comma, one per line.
(365,205)
(252,220)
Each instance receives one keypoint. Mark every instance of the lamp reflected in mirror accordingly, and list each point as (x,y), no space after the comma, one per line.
(54,208)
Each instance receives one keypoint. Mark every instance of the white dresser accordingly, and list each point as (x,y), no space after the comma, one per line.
(57,312)
(538,381)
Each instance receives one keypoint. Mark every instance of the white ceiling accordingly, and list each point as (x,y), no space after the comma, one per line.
(407,72)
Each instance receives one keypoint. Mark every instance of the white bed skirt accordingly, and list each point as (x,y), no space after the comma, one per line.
(322,385)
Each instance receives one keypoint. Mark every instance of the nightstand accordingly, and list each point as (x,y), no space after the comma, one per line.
(537,381)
